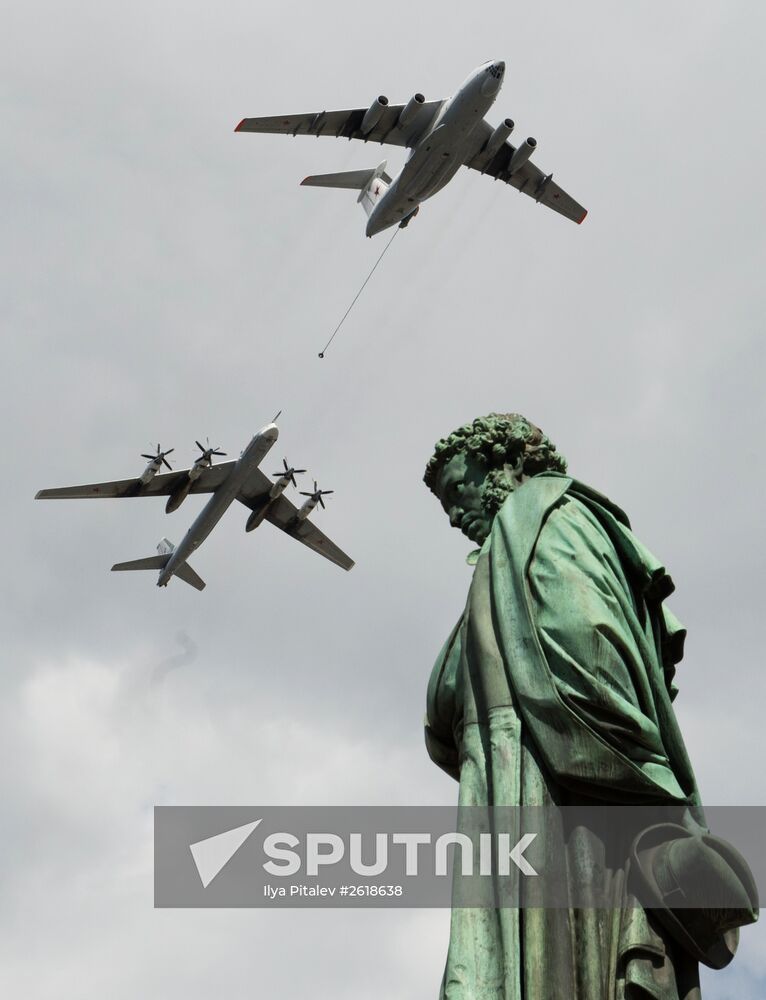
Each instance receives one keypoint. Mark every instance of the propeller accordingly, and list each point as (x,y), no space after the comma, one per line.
(207,453)
(159,457)
(290,472)
(317,494)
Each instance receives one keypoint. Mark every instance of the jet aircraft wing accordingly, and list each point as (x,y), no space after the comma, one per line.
(347,124)
(529,178)
(161,485)
(283,514)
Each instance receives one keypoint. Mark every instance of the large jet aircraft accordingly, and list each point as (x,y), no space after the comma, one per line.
(442,137)
(241,480)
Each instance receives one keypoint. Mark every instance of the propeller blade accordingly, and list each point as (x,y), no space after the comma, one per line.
(169,451)
(321,501)
(199,446)
(167,463)
(303,493)
(150,457)
(216,452)
(292,480)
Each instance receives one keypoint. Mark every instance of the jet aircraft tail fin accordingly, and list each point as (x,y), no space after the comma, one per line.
(354,180)
(371,184)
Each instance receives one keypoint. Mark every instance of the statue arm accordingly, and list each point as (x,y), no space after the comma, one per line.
(441,707)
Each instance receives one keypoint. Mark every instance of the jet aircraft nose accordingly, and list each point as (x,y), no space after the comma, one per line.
(493,78)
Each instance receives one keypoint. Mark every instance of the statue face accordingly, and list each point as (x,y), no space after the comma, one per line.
(459,487)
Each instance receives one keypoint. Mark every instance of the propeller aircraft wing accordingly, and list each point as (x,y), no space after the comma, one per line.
(163,485)
(284,515)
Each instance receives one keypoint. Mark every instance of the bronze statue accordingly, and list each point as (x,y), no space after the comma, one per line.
(556,688)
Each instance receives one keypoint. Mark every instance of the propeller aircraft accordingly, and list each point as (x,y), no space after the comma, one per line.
(240,480)
(441,136)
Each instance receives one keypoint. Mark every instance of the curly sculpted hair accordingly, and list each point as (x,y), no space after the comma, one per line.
(498,440)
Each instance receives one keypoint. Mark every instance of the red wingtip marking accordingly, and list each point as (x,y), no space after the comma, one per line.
(240,125)
(583,218)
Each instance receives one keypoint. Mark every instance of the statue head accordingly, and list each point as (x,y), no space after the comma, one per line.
(475,468)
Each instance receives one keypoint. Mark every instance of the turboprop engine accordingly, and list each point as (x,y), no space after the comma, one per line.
(373,114)
(314,498)
(498,137)
(410,110)
(283,478)
(202,462)
(522,154)
(155,464)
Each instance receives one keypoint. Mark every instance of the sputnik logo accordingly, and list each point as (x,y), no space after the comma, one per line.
(213,854)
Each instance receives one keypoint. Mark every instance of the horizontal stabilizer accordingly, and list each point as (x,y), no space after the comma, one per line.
(151,562)
(355,180)
(187,574)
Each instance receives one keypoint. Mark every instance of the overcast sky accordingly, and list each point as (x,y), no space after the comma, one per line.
(164,278)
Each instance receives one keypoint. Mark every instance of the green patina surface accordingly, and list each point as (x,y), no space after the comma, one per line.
(555,687)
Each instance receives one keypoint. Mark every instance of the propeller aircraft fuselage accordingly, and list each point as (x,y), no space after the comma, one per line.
(240,480)
(220,501)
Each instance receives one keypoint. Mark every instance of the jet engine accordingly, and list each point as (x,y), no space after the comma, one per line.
(410,110)
(373,114)
(522,154)
(498,137)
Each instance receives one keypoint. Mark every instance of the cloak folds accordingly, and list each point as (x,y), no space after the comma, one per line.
(555,688)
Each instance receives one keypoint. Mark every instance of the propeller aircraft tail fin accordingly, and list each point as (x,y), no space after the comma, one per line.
(165,551)
(187,574)
(151,562)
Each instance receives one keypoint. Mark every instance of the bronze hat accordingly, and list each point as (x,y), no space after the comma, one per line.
(698,887)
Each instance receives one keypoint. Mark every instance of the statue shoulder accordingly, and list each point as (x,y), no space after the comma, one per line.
(525,509)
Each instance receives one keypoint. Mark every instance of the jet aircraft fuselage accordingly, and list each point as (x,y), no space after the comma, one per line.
(441,136)
(441,151)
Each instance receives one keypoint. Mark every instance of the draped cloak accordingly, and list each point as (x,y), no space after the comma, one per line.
(555,688)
